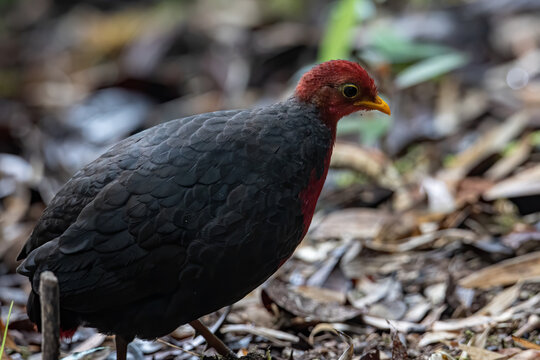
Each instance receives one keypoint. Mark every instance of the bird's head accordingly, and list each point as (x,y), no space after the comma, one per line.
(339,88)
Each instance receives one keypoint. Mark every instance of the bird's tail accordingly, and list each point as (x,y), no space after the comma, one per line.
(33,308)
(68,321)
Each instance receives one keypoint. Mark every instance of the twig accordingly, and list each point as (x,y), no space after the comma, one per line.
(178,347)
(50,316)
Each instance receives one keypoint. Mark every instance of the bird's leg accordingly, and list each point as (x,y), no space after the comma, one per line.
(121,347)
(212,339)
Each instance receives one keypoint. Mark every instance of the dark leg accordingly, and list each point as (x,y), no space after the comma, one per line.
(211,339)
(121,347)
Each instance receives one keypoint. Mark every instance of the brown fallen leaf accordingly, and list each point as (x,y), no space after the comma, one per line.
(442,236)
(525,183)
(321,294)
(348,353)
(398,325)
(480,340)
(506,272)
(276,336)
(368,161)
(310,309)
(508,163)
(525,343)
(318,329)
(435,337)
(350,223)
(368,292)
(483,321)
(399,351)
(468,322)
(490,143)
(476,353)
(371,265)
(501,301)
(533,322)
(527,355)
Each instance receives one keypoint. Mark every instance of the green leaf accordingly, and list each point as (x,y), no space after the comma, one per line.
(396,49)
(336,43)
(430,68)
(6,331)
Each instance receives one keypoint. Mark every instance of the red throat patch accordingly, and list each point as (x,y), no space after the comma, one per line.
(310,194)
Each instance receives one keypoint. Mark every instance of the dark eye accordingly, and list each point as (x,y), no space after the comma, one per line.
(349,91)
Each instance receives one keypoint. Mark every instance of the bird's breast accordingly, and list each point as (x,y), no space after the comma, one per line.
(310,195)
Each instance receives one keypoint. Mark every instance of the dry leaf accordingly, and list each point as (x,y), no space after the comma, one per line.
(350,224)
(481,340)
(501,301)
(526,344)
(527,355)
(310,309)
(491,142)
(412,243)
(459,324)
(321,294)
(368,292)
(398,325)
(372,265)
(533,322)
(508,163)
(348,353)
(418,307)
(273,335)
(435,337)
(368,161)
(399,352)
(525,183)
(506,272)
(476,353)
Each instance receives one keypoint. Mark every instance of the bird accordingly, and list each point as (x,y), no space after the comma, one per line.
(189,216)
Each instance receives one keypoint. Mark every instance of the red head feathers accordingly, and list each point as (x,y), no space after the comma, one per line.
(338,88)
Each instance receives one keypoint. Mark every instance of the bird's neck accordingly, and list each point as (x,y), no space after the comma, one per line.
(310,194)
(317,175)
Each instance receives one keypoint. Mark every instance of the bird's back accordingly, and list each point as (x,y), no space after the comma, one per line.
(179,220)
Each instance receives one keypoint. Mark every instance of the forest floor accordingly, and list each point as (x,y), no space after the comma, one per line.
(426,239)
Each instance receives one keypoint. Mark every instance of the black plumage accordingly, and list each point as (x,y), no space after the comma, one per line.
(191,215)
(178,220)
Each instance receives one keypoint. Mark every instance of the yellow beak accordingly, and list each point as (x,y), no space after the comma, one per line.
(378,104)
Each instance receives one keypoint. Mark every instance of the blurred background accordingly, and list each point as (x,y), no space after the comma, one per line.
(430,218)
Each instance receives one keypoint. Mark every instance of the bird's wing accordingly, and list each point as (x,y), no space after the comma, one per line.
(189,184)
(83,187)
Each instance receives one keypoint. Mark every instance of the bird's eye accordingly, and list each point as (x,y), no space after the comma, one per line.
(349,91)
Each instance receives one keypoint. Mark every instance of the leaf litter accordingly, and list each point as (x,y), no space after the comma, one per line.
(425,244)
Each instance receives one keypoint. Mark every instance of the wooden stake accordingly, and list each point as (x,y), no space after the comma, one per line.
(50,316)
